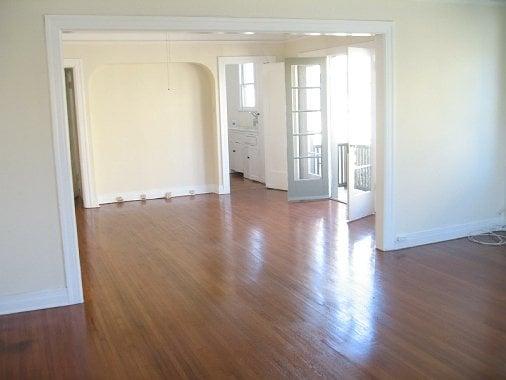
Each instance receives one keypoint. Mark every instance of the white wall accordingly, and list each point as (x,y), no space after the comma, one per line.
(147,139)
(449,110)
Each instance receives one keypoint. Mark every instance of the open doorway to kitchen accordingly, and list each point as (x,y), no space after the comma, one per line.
(242,93)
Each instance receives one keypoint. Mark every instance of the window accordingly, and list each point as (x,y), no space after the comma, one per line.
(247,85)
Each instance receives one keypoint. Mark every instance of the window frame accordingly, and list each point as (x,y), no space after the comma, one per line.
(243,85)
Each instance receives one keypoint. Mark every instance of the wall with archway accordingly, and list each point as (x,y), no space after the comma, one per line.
(146,139)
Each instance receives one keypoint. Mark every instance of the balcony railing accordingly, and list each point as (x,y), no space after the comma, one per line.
(342,165)
(363,173)
(316,162)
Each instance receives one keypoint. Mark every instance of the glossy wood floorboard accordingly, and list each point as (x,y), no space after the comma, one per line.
(238,183)
(250,286)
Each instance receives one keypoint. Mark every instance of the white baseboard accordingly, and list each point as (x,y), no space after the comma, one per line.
(17,303)
(221,190)
(437,235)
(157,193)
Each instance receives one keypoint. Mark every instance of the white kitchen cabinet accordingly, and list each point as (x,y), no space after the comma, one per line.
(251,169)
(244,153)
(236,157)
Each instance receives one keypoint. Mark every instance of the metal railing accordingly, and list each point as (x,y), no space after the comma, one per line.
(363,173)
(342,165)
(316,162)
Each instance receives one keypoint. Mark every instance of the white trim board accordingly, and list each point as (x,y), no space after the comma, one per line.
(470,2)
(438,235)
(17,303)
(56,24)
(158,193)
(179,37)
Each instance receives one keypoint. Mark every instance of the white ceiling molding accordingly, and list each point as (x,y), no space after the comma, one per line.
(179,36)
(469,2)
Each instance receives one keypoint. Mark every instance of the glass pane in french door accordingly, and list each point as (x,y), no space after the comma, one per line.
(306,99)
(307,168)
(307,122)
(307,146)
(306,75)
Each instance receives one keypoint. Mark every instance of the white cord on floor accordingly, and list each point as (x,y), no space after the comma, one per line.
(493,238)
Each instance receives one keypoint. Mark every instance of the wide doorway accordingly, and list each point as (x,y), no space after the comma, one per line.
(331,126)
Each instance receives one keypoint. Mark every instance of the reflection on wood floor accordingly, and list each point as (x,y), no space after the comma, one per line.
(248,285)
(238,183)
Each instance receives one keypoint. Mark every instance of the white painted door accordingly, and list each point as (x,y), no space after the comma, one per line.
(361,127)
(306,117)
(338,123)
(73,139)
(274,125)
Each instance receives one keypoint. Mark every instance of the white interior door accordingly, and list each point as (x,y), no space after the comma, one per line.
(274,123)
(306,117)
(73,138)
(361,127)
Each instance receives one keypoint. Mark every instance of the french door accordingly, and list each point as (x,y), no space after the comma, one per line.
(307,138)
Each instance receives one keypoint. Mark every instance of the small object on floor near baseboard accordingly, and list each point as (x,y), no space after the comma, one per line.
(143,197)
(119,199)
(192,192)
(168,195)
(494,238)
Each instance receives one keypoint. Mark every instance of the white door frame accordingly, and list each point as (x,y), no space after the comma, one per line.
(224,187)
(83,135)
(56,24)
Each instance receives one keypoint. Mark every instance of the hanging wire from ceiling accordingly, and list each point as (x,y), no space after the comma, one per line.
(168,58)
(492,238)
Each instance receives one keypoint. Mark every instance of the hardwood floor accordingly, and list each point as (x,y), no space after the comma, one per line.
(250,286)
(238,183)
